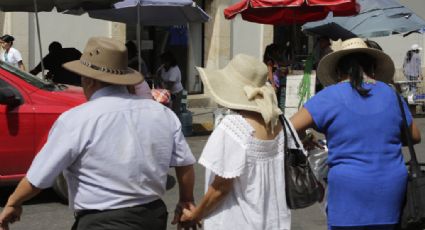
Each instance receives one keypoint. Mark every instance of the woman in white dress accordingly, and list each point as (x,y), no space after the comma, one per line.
(244,160)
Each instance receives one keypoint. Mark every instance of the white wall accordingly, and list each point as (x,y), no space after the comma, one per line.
(69,30)
(246,37)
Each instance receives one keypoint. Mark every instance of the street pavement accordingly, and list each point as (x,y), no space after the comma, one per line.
(45,212)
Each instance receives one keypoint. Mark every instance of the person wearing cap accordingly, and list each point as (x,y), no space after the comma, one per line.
(412,67)
(115,150)
(11,55)
(244,155)
(360,116)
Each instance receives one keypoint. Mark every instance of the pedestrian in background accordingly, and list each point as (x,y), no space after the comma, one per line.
(10,54)
(412,67)
(53,62)
(278,69)
(360,117)
(244,156)
(170,75)
(115,150)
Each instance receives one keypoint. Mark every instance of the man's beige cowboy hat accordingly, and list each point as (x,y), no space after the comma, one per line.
(242,85)
(106,60)
(326,70)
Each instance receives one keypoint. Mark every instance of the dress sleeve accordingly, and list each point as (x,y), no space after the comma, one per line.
(322,109)
(225,152)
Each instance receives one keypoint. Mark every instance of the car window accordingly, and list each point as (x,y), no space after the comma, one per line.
(29,78)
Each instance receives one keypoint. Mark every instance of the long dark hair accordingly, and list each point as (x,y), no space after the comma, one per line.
(354,65)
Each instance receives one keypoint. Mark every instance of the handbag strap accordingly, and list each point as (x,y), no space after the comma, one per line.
(414,165)
(285,124)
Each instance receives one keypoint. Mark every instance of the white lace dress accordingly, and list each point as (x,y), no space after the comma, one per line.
(257,200)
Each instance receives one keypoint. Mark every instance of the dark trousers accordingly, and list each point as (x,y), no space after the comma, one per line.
(150,216)
(176,101)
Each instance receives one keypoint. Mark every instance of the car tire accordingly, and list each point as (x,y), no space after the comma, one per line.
(61,188)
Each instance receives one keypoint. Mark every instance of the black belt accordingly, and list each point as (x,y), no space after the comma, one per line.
(80,213)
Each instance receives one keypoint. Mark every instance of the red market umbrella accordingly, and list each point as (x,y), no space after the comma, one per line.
(287,12)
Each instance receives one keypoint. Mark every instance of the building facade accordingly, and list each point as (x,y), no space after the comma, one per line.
(211,44)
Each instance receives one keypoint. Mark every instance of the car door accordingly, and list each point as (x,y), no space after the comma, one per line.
(16,135)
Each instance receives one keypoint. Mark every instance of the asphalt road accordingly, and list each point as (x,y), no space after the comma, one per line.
(46,212)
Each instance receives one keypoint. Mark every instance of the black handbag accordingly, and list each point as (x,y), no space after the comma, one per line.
(413,212)
(301,186)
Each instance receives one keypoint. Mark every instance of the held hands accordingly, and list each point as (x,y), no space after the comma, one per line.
(184,218)
(9,215)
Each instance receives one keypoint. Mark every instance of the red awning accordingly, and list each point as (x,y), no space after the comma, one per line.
(284,12)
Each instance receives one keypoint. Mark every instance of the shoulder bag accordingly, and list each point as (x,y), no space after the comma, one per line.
(413,212)
(301,186)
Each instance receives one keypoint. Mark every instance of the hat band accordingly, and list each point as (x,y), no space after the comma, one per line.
(106,69)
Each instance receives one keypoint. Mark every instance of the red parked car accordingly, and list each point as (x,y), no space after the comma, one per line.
(28,108)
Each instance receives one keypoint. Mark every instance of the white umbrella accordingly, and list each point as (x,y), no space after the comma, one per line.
(153,12)
(48,5)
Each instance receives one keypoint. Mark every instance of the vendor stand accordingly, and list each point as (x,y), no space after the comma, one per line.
(416,101)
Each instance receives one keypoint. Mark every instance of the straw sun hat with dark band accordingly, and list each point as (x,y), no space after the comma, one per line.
(326,70)
(106,60)
(241,85)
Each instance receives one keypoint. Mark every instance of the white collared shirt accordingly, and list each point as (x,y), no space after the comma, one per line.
(172,75)
(13,57)
(116,150)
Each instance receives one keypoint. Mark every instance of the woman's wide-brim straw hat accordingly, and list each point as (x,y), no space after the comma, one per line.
(326,70)
(106,60)
(228,86)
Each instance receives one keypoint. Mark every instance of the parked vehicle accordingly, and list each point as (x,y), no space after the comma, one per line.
(28,108)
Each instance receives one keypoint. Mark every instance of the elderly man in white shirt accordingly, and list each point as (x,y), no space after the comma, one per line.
(115,150)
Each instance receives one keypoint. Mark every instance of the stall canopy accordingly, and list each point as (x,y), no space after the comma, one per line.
(288,12)
(376,18)
(48,5)
(153,12)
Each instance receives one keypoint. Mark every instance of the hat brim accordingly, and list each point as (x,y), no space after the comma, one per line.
(225,91)
(326,70)
(133,77)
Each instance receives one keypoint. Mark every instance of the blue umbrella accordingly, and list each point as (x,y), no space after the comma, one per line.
(376,18)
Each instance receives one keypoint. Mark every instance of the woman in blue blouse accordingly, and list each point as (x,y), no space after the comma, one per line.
(360,116)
